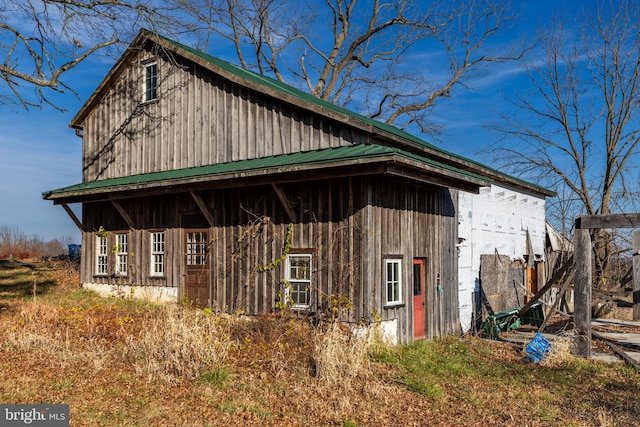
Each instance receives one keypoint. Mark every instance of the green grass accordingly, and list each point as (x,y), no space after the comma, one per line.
(426,364)
(217,376)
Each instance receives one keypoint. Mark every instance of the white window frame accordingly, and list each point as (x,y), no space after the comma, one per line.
(102,256)
(393,283)
(150,82)
(121,251)
(294,282)
(157,247)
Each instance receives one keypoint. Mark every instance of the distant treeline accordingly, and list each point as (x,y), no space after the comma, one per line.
(16,244)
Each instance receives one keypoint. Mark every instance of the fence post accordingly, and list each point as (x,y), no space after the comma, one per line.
(582,290)
(636,275)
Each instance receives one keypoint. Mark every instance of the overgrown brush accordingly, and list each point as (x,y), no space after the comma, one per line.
(43,328)
(280,344)
(178,343)
(340,355)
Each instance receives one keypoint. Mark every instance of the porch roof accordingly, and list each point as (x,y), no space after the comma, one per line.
(351,160)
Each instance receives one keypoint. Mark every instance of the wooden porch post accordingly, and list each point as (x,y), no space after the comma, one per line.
(582,289)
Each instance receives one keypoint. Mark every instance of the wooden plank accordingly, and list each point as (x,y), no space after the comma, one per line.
(73,216)
(559,296)
(285,202)
(557,277)
(636,275)
(618,350)
(582,291)
(124,214)
(203,208)
(628,220)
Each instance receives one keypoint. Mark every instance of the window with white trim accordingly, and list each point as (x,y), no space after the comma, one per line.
(393,281)
(150,81)
(102,257)
(157,253)
(120,251)
(298,278)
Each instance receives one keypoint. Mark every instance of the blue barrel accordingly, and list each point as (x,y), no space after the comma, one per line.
(74,252)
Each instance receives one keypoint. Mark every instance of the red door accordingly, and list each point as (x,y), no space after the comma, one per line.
(418,298)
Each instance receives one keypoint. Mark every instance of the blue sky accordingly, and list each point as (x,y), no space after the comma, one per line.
(39,152)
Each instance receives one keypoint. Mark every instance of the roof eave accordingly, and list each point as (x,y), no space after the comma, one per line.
(391,164)
(78,120)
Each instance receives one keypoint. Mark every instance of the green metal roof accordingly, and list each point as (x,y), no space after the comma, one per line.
(266,165)
(257,81)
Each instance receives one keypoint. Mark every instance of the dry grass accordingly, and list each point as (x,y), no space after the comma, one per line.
(340,356)
(178,343)
(120,362)
(561,351)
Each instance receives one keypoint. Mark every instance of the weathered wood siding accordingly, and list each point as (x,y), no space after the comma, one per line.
(349,225)
(198,119)
(414,222)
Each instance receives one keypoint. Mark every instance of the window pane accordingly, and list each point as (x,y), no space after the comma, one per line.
(101,255)
(393,281)
(417,288)
(300,267)
(298,276)
(157,253)
(151,82)
(121,251)
(196,248)
(300,293)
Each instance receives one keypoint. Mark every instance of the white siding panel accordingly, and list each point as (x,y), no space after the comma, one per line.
(496,220)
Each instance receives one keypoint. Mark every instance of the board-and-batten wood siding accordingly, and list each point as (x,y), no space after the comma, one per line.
(348,224)
(199,119)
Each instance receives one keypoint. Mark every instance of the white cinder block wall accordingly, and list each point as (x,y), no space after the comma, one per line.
(496,220)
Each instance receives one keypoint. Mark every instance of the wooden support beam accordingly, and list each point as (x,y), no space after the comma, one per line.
(546,304)
(285,202)
(124,214)
(582,291)
(631,220)
(618,350)
(73,216)
(203,208)
(636,275)
(559,296)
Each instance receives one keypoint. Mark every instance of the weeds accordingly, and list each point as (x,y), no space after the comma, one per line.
(178,343)
(339,355)
(216,376)
(123,362)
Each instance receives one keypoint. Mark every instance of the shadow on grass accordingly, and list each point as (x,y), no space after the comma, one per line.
(20,279)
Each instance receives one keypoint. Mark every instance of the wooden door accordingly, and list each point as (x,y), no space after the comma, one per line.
(197,277)
(418,297)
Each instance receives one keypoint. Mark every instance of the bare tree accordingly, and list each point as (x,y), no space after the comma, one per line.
(577,127)
(41,40)
(389,59)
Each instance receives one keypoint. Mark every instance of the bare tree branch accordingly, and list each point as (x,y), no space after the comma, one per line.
(578,126)
(364,54)
(42,40)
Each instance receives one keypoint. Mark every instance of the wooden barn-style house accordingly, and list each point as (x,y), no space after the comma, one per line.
(208,183)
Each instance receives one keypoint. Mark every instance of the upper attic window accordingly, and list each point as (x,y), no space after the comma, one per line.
(150,81)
